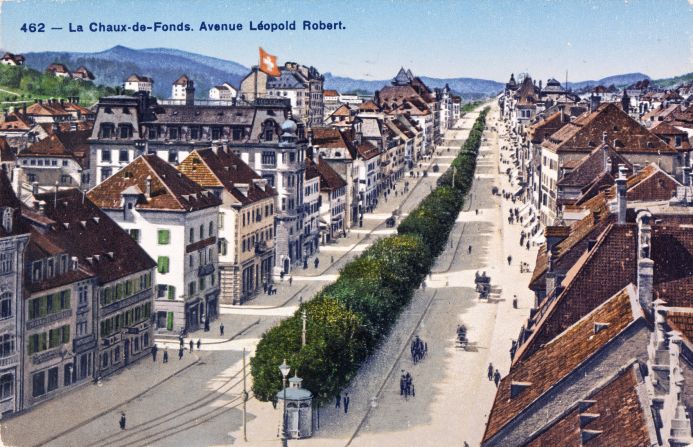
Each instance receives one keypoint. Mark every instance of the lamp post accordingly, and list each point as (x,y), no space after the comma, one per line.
(284,368)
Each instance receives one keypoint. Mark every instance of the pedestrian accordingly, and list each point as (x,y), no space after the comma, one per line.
(331,259)
(496,377)
(346,403)
(180,353)
(490,371)
(423,285)
(180,339)
(469,250)
(300,300)
(514,301)
(413,392)
(510,259)
(191,345)
(337,401)
(221,329)
(317,262)
(477,212)
(165,355)
(527,245)
(401,385)
(154,349)
(199,343)
(122,420)
(291,280)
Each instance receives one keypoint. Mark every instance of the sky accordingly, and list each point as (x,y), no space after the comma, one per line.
(485,39)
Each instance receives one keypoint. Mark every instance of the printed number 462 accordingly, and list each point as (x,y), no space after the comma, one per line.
(33,27)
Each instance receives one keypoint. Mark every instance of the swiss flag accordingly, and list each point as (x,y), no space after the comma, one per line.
(268,64)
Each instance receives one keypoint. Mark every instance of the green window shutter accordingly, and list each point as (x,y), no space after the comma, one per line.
(171,293)
(103,328)
(169,321)
(119,291)
(31,309)
(162,264)
(66,334)
(164,237)
(43,342)
(43,306)
(30,345)
(147,309)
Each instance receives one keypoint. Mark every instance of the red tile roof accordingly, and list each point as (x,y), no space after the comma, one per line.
(15,121)
(330,93)
(170,190)
(597,275)
(367,151)
(621,418)
(73,145)
(82,229)
(329,178)
(586,133)
(223,168)
(311,170)
(560,356)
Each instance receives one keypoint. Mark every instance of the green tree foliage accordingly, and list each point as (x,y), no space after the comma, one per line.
(349,318)
(32,84)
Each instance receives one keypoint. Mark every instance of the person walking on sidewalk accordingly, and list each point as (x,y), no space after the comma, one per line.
(510,259)
(291,280)
(165,355)
(346,403)
(180,353)
(490,371)
(221,329)
(191,345)
(199,343)
(317,262)
(122,420)
(496,377)
(154,349)
(337,401)
(514,301)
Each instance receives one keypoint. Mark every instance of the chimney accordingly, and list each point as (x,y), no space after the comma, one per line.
(645,279)
(148,187)
(34,188)
(215,148)
(554,235)
(644,234)
(621,194)
(594,102)
(55,127)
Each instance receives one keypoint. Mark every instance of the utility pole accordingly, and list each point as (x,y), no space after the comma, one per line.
(245,399)
(303,331)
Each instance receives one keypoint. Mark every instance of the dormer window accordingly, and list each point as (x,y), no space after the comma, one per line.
(7,219)
(36,271)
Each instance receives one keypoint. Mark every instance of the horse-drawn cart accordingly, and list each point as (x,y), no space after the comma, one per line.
(483,285)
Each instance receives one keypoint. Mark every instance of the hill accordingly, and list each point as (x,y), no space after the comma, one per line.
(113,66)
(620,80)
(23,84)
(468,88)
(675,81)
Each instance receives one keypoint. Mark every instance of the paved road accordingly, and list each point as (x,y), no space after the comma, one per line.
(201,405)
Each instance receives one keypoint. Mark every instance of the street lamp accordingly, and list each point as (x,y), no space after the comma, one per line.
(284,368)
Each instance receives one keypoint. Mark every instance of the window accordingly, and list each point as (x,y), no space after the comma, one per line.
(169,321)
(36,271)
(211,229)
(223,247)
(135,234)
(174,133)
(216,133)
(195,133)
(171,293)
(153,134)
(6,345)
(162,264)
(192,235)
(6,386)
(106,155)
(6,260)
(123,156)
(269,158)
(191,288)
(164,237)
(6,305)
(220,223)
(52,379)
(125,131)
(107,130)
(38,382)
(202,284)
(202,232)
(67,374)
(191,261)
(173,156)
(105,173)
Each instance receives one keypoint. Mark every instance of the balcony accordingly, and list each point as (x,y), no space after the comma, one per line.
(261,247)
(10,360)
(204,270)
(49,319)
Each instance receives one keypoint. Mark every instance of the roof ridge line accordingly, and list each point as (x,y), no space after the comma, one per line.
(151,168)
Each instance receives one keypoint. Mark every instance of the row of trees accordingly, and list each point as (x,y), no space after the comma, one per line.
(349,318)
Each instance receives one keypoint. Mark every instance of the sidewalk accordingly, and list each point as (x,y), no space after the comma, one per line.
(56,417)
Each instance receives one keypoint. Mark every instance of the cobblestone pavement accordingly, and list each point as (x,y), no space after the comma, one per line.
(201,405)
